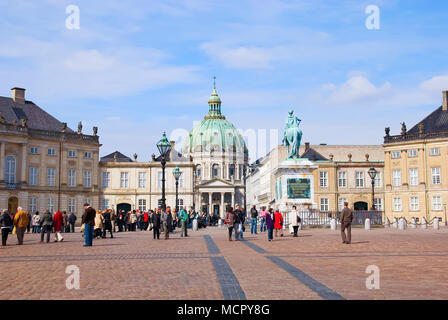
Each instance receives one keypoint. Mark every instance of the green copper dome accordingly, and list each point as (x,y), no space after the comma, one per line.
(215,132)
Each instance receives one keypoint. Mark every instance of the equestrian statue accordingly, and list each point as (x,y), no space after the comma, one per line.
(292,136)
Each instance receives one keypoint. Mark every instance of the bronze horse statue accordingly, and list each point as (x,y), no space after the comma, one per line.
(292,136)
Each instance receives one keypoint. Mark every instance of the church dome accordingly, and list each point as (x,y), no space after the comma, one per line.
(215,132)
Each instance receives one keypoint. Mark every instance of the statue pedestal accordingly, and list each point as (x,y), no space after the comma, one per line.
(294,184)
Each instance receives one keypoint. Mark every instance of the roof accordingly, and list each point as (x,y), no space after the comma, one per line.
(313,155)
(120,157)
(436,122)
(36,118)
(174,156)
(341,152)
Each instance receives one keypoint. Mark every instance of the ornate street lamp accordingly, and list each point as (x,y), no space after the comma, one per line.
(372,173)
(177,173)
(164,147)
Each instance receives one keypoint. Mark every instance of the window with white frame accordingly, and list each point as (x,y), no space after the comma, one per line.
(106,179)
(414,204)
(215,171)
(378,183)
(231,171)
(71,153)
(123,179)
(51,152)
(105,204)
(434,151)
(10,170)
(341,203)
(87,178)
(395,154)
(71,178)
(51,177)
(436,203)
(435,175)
(142,179)
(34,150)
(32,204)
(34,176)
(142,204)
(323,179)
(88,155)
(396,204)
(342,179)
(324,204)
(378,202)
(180,204)
(159,179)
(396,178)
(413,177)
(360,179)
(50,204)
(71,205)
(412,153)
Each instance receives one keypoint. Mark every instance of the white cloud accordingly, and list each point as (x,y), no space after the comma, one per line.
(437,83)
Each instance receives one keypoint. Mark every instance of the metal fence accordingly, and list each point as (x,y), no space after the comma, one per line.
(323,218)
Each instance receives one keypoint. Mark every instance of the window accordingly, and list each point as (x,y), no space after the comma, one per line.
(413,204)
(34,150)
(34,176)
(342,179)
(123,180)
(435,175)
(198,171)
(180,204)
(105,204)
(378,182)
(413,176)
(231,171)
(106,179)
(378,202)
(215,171)
(434,151)
(436,203)
(396,154)
(142,204)
(181,180)
(323,179)
(32,204)
(396,204)
(51,177)
(51,152)
(360,179)
(341,203)
(88,155)
(412,153)
(240,171)
(10,170)
(50,204)
(142,179)
(159,179)
(71,205)
(87,178)
(71,178)
(324,206)
(396,178)
(72,153)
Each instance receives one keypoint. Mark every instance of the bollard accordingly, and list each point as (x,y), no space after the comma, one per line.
(413,223)
(424,225)
(367,224)
(436,223)
(395,223)
(195,225)
(333,224)
(387,225)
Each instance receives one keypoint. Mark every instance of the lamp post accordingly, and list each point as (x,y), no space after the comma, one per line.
(177,173)
(372,173)
(164,147)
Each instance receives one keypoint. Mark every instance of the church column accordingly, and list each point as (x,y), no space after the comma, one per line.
(223,212)
(200,203)
(2,161)
(209,203)
(24,166)
(233,199)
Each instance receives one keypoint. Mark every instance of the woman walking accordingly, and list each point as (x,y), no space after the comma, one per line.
(5,224)
(262,216)
(294,220)
(36,222)
(230,221)
(270,222)
(278,225)
(58,224)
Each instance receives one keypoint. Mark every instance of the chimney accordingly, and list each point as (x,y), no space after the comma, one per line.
(18,95)
(445,100)
(307,146)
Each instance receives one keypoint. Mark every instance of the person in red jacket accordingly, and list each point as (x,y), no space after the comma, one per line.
(278,224)
(145,220)
(58,220)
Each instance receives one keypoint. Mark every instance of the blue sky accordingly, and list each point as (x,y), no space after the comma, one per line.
(138,68)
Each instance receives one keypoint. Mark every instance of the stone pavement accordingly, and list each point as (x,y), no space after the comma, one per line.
(413,264)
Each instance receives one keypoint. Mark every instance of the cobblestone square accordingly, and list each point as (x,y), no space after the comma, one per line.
(205,265)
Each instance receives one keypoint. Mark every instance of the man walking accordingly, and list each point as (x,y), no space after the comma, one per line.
(237,226)
(107,226)
(184,221)
(155,220)
(88,219)
(20,222)
(346,223)
(167,220)
(47,224)
(253,220)
(5,225)
(71,221)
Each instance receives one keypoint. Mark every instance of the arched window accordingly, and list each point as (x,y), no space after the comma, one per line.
(10,170)
(198,171)
(215,171)
(231,171)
